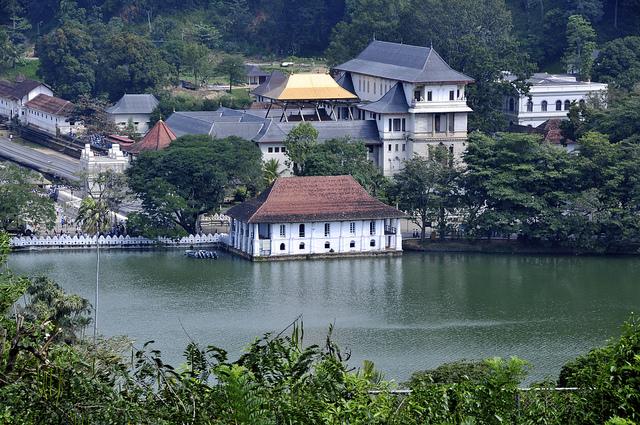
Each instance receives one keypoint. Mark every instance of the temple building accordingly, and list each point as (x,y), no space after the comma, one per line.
(159,137)
(300,217)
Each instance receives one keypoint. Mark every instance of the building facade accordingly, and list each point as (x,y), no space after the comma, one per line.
(550,97)
(135,109)
(14,96)
(311,216)
(416,99)
(50,114)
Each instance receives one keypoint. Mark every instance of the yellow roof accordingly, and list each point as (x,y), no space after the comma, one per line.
(309,87)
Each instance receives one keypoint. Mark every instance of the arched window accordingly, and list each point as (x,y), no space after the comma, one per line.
(301,231)
(529,106)
(301,246)
(327,245)
(567,105)
(558,105)
(352,244)
(281,247)
(512,104)
(543,106)
(372,242)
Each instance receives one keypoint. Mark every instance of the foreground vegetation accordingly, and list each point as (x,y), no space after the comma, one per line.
(51,374)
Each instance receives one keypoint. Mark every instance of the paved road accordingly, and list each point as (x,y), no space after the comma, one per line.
(52,164)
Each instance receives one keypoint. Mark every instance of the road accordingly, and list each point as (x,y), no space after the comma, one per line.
(47,163)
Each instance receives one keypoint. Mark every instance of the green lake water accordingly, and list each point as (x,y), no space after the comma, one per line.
(405,313)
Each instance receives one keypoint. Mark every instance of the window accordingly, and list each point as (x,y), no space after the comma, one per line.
(368,87)
(281,247)
(529,106)
(352,228)
(567,105)
(301,246)
(397,147)
(372,242)
(283,232)
(543,106)
(352,244)
(372,227)
(416,95)
(359,84)
(390,121)
(276,149)
(283,149)
(404,124)
(437,123)
(301,231)
(270,150)
(429,95)
(452,124)
(396,124)
(582,103)
(375,91)
(327,245)
(379,117)
(512,104)
(451,95)
(327,229)
(558,105)
(389,147)
(404,147)
(370,149)
(458,94)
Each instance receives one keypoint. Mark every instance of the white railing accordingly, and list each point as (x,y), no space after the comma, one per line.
(114,241)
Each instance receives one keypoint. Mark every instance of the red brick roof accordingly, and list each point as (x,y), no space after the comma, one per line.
(18,89)
(158,138)
(305,199)
(50,105)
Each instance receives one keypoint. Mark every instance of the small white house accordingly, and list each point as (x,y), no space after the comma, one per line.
(314,216)
(136,108)
(50,114)
(14,95)
(550,97)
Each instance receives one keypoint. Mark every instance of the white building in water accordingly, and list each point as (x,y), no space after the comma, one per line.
(311,216)
(550,97)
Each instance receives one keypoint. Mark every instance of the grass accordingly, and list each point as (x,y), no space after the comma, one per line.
(29,69)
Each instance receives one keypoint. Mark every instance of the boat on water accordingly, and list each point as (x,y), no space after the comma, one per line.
(201,253)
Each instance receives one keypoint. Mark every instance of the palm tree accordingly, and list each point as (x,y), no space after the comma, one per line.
(94,215)
(271,171)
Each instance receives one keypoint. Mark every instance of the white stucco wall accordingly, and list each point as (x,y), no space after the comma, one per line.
(122,120)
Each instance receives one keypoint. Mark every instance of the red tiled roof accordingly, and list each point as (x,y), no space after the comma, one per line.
(19,89)
(305,199)
(50,105)
(158,138)
(122,140)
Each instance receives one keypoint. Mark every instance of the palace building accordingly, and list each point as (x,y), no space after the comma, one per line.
(314,216)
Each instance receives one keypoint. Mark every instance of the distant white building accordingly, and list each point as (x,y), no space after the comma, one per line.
(314,216)
(136,108)
(550,97)
(14,95)
(50,114)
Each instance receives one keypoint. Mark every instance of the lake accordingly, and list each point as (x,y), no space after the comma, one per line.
(404,313)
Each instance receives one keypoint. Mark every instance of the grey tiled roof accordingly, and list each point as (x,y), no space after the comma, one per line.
(275,79)
(365,130)
(134,104)
(245,130)
(346,82)
(254,71)
(403,62)
(183,123)
(393,102)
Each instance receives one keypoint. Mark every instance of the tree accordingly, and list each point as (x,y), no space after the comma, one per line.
(9,53)
(299,144)
(581,38)
(619,63)
(22,200)
(192,177)
(68,60)
(94,215)
(129,63)
(233,67)
(271,170)
(426,189)
(92,112)
(185,55)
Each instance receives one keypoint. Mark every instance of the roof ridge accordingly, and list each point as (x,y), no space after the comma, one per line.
(269,190)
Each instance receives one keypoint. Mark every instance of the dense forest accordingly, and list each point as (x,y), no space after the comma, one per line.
(108,47)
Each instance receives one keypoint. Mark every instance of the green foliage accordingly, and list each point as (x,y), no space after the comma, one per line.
(22,201)
(619,63)
(299,144)
(271,170)
(451,373)
(233,67)
(425,188)
(192,177)
(580,46)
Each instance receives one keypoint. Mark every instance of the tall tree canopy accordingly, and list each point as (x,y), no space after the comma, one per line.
(192,177)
